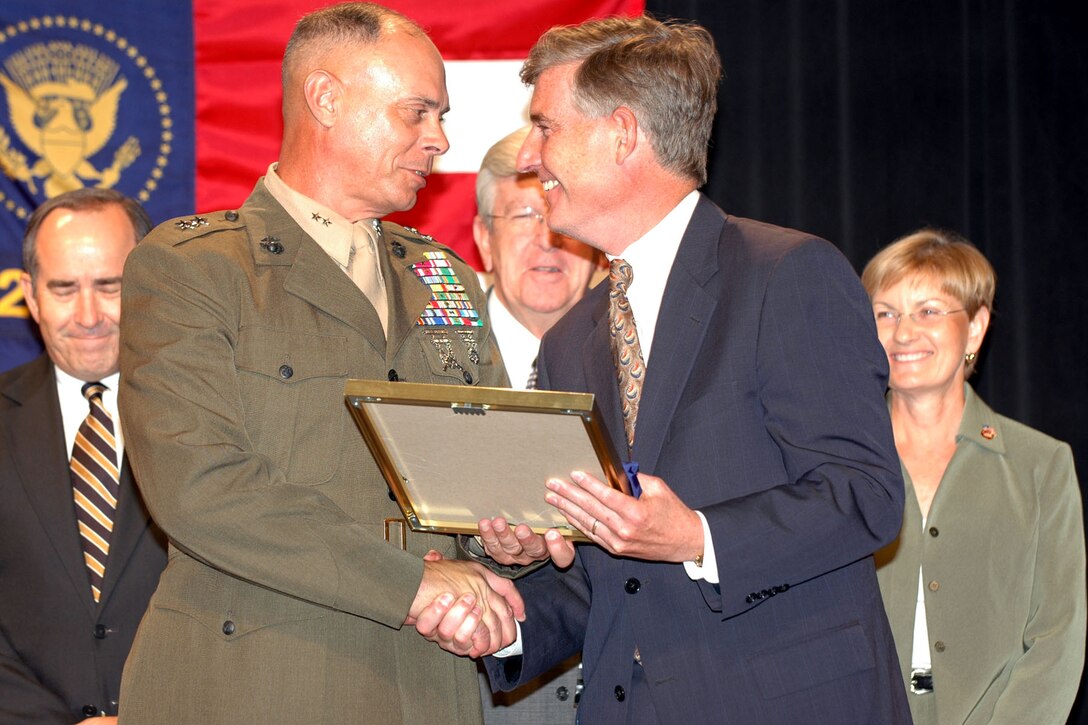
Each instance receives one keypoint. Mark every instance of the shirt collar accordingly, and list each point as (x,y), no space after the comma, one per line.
(331,231)
(662,241)
(67,382)
(651,258)
(517,345)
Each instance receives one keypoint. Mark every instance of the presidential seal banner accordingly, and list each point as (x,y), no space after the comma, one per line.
(90,95)
(178,105)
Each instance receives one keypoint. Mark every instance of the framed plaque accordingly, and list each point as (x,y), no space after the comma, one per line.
(453,455)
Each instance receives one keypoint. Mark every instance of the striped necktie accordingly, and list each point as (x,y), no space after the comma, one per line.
(626,350)
(530,384)
(95,485)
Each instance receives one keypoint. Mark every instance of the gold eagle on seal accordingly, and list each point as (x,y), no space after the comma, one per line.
(62,101)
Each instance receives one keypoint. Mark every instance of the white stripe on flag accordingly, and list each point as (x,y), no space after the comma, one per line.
(487,101)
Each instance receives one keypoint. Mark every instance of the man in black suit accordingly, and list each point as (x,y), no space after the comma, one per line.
(68,613)
(739,587)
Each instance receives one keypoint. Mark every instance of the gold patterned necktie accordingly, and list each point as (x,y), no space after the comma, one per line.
(626,351)
(95,485)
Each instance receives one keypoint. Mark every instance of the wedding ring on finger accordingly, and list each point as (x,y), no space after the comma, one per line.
(593,529)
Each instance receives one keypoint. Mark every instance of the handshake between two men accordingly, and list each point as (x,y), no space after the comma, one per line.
(468,610)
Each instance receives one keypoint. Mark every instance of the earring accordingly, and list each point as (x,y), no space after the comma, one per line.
(969,357)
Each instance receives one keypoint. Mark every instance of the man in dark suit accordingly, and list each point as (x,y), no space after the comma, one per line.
(65,630)
(739,587)
(538,275)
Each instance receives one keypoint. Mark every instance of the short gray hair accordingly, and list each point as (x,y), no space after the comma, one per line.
(352,22)
(666,72)
(500,162)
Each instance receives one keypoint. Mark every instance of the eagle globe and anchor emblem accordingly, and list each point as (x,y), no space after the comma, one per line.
(63,100)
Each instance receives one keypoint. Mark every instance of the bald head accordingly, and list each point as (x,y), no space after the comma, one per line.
(364,96)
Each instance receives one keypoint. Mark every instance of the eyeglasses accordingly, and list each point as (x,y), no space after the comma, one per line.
(925,317)
(526,219)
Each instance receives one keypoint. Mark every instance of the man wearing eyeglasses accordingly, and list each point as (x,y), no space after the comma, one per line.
(538,274)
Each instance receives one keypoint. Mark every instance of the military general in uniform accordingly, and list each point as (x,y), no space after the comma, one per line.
(282,600)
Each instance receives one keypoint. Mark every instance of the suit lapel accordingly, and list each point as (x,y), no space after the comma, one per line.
(682,323)
(129,523)
(314,277)
(40,458)
(601,376)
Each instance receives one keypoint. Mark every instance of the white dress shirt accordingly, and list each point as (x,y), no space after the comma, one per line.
(518,346)
(74,408)
(651,258)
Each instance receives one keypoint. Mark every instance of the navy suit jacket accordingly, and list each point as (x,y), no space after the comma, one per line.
(59,651)
(763,407)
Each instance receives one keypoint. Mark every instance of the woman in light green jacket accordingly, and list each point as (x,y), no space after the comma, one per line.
(985,586)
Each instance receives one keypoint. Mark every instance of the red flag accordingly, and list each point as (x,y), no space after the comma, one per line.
(238,48)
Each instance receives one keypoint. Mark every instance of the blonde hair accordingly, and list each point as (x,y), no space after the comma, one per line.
(945,257)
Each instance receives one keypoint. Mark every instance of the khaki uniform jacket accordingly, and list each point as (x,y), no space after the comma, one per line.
(1002,557)
(281,601)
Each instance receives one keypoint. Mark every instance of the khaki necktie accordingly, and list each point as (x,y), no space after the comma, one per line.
(364,269)
(95,477)
(626,351)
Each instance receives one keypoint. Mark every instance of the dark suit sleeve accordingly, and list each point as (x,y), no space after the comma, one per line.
(559,602)
(554,632)
(821,378)
(23,697)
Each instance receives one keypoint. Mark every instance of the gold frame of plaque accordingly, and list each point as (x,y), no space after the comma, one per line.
(453,455)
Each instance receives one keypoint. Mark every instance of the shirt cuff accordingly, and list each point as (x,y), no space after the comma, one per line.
(709,570)
(514,649)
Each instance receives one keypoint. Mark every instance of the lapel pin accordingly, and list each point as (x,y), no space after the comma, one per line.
(272,245)
(988,432)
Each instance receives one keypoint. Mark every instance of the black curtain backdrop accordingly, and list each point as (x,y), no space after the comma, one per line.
(862,121)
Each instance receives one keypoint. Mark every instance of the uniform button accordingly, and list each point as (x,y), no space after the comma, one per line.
(286,372)
(90,710)
(934,585)
(468,377)
(393,377)
(228,627)
(632,586)
(939,646)
(99,631)
(562,693)
(392,496)
(933,531)
(620,694)
(232,216)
